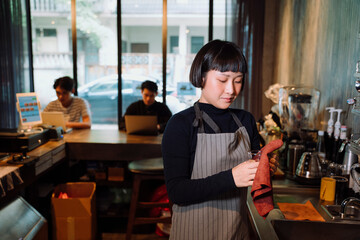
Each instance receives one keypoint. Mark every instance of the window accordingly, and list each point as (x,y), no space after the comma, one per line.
(139,47)
(174,44)
(124,46)
(97,62)
(142,29)
(51,40)
(46,32)
(141,43)
(196,44)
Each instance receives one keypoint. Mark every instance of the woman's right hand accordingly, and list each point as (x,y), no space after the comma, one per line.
(244,173)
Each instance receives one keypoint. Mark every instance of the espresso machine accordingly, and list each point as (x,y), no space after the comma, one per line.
(298,108)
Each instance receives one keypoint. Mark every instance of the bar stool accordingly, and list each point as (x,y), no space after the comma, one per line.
(143,170)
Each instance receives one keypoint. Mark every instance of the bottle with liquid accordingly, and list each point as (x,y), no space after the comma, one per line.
(320,149)
(340,148)
(320,145)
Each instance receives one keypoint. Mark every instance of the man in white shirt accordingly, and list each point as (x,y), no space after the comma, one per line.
(75,108)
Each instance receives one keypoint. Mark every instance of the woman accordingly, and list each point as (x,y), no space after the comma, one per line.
(205,150)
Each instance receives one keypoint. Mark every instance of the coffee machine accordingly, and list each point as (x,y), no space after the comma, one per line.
(298,108)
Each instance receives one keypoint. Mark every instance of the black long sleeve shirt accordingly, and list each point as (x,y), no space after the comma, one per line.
(178,149)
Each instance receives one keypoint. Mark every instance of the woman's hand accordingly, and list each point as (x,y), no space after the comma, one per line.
(244,173)
(273,162)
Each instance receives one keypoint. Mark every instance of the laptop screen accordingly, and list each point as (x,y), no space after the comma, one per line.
(141,124)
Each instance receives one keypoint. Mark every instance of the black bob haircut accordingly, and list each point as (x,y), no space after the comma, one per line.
(151,86)
(217,55)
(64,82)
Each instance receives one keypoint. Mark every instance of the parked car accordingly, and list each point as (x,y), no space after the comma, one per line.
(102,95)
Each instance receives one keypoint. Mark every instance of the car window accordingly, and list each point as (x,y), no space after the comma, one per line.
(103,87)
(126,84)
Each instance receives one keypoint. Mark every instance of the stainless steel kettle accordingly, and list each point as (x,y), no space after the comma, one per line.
(309,166)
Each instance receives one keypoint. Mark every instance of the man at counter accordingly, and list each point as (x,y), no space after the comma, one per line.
(149,106)
(76,109)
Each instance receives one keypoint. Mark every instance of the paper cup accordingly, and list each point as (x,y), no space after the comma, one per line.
(327,189)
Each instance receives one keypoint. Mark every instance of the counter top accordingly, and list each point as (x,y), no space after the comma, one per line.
(289,191)
(111,145)
(108,136)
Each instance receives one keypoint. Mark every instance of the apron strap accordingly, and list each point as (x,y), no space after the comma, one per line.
(201,116)
(236,119)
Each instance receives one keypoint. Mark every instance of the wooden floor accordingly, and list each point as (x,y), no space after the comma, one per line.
(121,236)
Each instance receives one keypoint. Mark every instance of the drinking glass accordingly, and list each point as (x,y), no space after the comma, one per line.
(255,155)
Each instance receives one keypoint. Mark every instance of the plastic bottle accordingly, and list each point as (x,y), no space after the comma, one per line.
(343,133)
(337,124)
(330,124)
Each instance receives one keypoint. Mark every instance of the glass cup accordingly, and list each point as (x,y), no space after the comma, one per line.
(255,155)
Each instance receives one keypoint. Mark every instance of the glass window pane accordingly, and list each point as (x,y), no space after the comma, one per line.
(219,19)
(196,44)
(51,41)
(142,47)
(26,74)
(188,27)
(96,33)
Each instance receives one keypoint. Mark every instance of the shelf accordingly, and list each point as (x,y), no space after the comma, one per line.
(124,184)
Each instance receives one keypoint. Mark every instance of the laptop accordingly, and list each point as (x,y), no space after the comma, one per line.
(56,119)
(141,124)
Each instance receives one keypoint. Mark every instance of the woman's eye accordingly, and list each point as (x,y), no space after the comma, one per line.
(222,80)
(239,80)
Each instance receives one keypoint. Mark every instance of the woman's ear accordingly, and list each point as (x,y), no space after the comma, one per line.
(203,79)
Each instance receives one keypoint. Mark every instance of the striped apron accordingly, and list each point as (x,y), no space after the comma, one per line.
(223,217)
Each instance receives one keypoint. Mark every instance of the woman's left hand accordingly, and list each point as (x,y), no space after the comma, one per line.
(273,162)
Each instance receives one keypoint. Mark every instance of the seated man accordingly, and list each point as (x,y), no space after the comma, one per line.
(74,107)
(148,106)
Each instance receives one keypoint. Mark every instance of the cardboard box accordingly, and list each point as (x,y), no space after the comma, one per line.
(75,217)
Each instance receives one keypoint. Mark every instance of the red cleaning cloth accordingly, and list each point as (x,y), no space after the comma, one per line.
(261,190)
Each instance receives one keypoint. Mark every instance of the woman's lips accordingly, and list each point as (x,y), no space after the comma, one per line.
(228,99)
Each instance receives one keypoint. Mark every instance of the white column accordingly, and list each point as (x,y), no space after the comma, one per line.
(63,39)
(182,40)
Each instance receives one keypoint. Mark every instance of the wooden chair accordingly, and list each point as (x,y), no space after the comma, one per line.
(143,170)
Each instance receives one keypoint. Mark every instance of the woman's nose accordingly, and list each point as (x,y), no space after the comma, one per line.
(229,88)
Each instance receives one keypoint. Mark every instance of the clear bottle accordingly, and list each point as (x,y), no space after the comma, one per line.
(343,133)
(340,148)
(320,145)
(320,149)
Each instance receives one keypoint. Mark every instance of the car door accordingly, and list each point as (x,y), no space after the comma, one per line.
(103,101)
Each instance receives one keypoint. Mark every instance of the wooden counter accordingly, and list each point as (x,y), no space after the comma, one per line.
(111,145)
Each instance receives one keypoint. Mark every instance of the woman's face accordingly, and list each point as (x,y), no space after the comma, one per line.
(221,88)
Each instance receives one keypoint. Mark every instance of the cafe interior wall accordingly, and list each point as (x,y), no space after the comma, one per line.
(317,44)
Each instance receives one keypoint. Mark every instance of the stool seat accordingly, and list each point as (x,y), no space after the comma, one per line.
(147,166)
